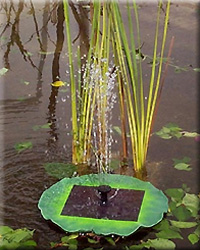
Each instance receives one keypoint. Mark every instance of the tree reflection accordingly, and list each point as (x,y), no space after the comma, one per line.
(55,77)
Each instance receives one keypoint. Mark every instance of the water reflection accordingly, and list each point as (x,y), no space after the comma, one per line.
(43,48)
(52,141)
(17,11)
(15,35)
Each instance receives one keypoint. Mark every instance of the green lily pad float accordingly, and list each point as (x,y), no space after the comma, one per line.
(153,206)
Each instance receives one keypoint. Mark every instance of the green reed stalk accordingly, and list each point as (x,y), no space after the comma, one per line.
(139,117)
(73,84)
(89,94)
(93,86)
(157,85)
(126,68)
(80,122)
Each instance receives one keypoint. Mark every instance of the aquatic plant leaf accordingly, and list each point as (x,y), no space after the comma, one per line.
(160,243)
(114,164)
(72,247)
(92,241)
(176,134)
(12,239)
(110,240)
(20,235)
(58,84)
(183,166)
(163,135)
(3,71)
(193,238)
(169,130)
(184,160)
(178,69)
(172,206)
(45,126)
(175,193)
(73,244)
(191,202)
(190,134)
(169,234)
(183,224)
(140,246)
(181,213)
(155,244)
(46,52)
(117,129)
(28,244)
(167,231)
(185,187)
(173,127)
(90,248)
(5,229)
(54,198)
(26,82)
(21,146)
(21,99)
(53,244)
(28,53)
(197,231)
(166,130)
(64,90)
(73,236)
(163,225)
(60,170)
(196,69)
(65,239)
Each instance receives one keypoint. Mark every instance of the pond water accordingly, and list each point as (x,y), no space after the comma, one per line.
(33,48)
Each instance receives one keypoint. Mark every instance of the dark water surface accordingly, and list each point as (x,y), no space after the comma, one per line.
(33,48)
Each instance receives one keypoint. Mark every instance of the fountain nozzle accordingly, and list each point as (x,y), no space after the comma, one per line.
(103,191)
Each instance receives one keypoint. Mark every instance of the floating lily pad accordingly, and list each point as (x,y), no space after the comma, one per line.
(52,201)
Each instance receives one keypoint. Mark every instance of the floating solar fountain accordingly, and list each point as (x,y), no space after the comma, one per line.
(103,203)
